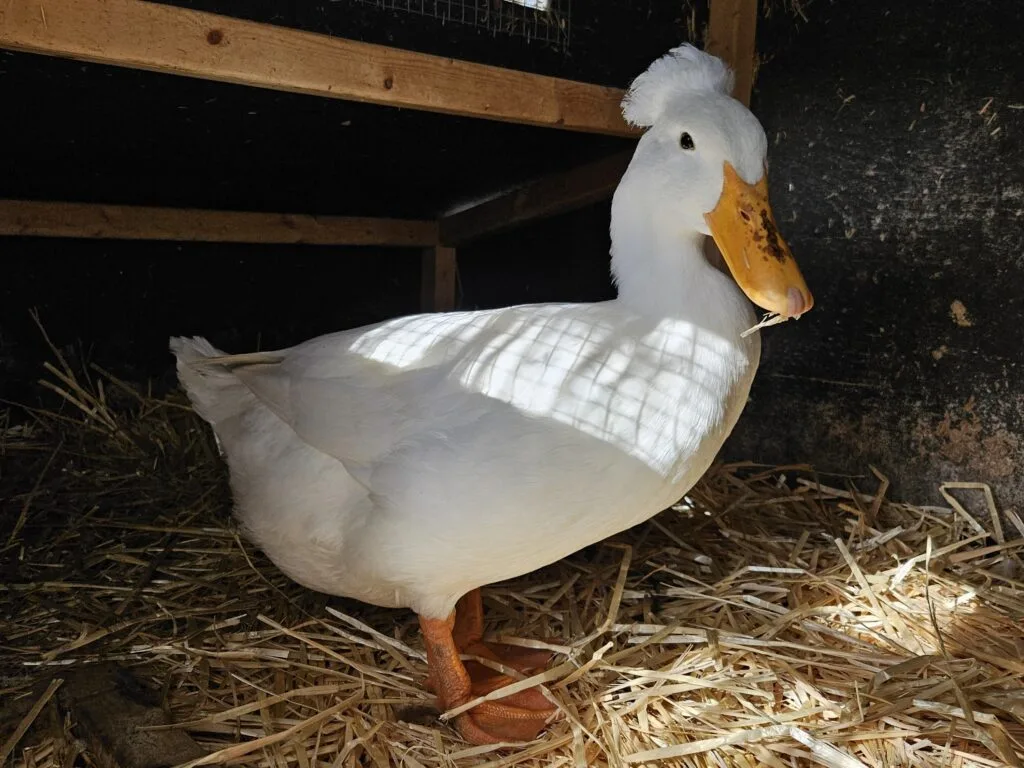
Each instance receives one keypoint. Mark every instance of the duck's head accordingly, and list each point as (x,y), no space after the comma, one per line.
(700,169)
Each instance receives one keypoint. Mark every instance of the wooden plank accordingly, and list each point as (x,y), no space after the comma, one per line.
(123,222)
(162,38)
(732,30)
(439,279)
(547,196)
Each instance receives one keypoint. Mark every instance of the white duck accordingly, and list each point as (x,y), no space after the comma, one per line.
(408,463)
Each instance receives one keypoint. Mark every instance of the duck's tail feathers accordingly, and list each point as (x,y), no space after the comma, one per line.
(206,373)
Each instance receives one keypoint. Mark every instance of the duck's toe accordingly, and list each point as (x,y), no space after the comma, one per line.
(494,722)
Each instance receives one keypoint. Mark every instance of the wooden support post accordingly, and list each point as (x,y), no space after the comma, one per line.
(439,279)
(732,31)
(182,41)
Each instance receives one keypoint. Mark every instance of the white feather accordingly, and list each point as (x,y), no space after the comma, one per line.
(682,70)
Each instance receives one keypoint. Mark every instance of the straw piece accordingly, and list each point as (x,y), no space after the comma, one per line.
(960,712)
(825,753)
(706,745)
(771,318)
(520,685)
(28,719)
(1014,518)
(244,709)
(990,503)
(966,516)
(379,636)
(876,604)
(236,751)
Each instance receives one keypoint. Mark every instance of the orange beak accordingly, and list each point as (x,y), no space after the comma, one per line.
(743,227)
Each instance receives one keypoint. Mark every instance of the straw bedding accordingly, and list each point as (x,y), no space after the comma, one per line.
(769,620)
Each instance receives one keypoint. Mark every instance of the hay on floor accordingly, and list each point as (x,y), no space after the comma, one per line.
(771,620)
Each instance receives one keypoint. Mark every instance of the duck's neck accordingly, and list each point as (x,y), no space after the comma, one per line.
(662,271)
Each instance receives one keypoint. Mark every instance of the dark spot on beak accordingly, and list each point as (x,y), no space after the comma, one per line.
(774,244)
(214,37)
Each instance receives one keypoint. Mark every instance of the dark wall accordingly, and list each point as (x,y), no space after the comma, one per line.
(898,174)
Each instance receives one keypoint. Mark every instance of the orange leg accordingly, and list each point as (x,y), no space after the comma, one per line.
(519,717)
(469,632)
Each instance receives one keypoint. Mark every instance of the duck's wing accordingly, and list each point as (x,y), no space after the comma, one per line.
(355,395)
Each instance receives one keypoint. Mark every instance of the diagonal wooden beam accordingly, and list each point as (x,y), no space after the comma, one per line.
(130,222)
(547,196)
(163,38)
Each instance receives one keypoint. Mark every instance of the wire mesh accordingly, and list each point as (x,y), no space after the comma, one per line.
(543,21)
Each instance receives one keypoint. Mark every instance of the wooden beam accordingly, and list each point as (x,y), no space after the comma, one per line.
(732,30)
(163,38)
(547,196)
(123,222)
(439,279)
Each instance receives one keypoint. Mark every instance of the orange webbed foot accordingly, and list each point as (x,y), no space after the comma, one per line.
(518,717)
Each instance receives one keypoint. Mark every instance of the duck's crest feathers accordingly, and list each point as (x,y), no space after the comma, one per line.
(685,68)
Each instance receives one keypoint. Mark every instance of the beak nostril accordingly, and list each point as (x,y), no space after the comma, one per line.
(745,216)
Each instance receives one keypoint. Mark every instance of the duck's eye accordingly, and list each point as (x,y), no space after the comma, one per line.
(686,141)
